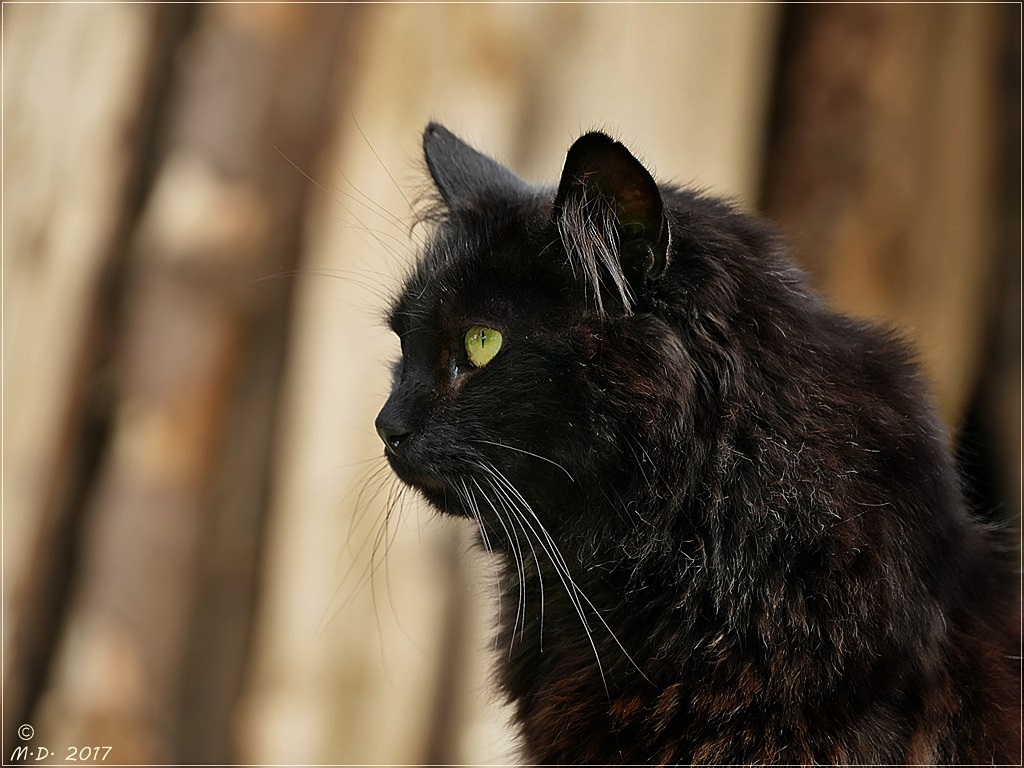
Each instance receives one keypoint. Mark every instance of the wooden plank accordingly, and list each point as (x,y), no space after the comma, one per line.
(155,641)
(882,165)
(79,97)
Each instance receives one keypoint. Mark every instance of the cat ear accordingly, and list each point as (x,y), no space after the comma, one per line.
(464,177)
(601,177)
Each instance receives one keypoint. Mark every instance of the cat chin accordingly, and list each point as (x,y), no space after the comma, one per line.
(436,493)
(443,502)
(440,497)
(410,476)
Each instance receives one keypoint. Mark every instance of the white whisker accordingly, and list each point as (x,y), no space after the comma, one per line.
(536,561)
(462,490)
(515,547)
(528,453)
(519,505)
(563,566)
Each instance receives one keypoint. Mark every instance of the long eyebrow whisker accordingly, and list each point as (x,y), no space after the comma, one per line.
(374,233)
(412,208)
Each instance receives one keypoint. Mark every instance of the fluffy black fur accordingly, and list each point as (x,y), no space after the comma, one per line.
(731,528)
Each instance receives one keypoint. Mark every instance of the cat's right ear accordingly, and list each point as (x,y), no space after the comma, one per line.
(466,179)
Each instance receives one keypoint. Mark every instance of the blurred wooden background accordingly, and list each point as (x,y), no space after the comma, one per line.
(205,209)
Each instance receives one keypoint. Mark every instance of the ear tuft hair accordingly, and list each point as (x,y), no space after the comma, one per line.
(611,218)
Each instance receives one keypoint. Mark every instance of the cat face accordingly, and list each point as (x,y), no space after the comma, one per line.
(520,331)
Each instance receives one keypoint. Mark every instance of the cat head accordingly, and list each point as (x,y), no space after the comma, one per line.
(534,360)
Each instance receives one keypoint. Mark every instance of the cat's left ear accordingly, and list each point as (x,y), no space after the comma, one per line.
(601,176)
(467,179)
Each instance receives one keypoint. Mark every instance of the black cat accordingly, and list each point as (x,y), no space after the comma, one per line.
(731,529)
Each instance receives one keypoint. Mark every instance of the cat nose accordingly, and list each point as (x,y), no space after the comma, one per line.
(392,429)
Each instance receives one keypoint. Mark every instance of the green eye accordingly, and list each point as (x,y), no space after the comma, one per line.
(482,344)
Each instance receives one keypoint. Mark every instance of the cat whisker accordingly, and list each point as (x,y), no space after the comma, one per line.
(528,453)
(398,500)
(379,477)
(517,504)
(522,571)
(516,547)
(376,539)
(527,508)
(466,496)
(347,277)
(397,186)
(376,234)
(388,216)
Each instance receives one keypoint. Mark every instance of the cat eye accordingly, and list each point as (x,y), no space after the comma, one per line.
(482,344)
